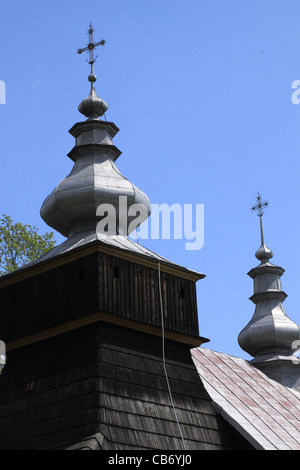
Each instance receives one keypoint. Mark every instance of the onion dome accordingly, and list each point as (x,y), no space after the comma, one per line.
(263,253)
(95,189)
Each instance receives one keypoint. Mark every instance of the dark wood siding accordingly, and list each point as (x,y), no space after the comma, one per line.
(53,297)
(97,282)
(135,294)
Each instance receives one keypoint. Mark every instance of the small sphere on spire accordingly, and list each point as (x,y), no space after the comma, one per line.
(92,77)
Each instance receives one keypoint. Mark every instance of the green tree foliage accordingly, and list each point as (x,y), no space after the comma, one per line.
(20,244)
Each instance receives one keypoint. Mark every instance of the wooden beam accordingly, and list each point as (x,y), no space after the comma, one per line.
(93,247)
(192,341)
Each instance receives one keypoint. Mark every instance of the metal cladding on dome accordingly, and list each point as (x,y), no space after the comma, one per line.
(94,181)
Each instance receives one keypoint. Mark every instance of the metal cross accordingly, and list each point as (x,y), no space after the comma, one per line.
(259,206)
(259,209)
(91,46)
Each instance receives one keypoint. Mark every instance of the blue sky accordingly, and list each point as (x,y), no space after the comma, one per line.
(201,91)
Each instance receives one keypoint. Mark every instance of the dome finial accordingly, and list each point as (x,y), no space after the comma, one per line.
(263,252)
(92,107)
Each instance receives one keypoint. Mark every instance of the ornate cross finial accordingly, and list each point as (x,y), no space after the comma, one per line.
(92,106)
(259,206)
(259,209)
(91,46)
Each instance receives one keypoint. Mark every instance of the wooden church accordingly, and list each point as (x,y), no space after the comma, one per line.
(102,339)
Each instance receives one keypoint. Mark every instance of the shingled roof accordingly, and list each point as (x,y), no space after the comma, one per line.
(265,412)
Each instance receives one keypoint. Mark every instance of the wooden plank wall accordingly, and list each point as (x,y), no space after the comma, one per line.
(48,299)
(97,282)
(132,290)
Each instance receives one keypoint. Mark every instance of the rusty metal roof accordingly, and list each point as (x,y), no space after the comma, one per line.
(265,412)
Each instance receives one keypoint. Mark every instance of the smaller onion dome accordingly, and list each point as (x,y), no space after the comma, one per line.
(92,106)
(264,253)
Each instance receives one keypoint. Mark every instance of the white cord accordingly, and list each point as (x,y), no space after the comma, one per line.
(163,355)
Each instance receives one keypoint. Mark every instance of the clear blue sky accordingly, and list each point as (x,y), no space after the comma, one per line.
(201,92)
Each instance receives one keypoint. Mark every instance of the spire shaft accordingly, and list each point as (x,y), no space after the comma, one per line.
(262,232)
